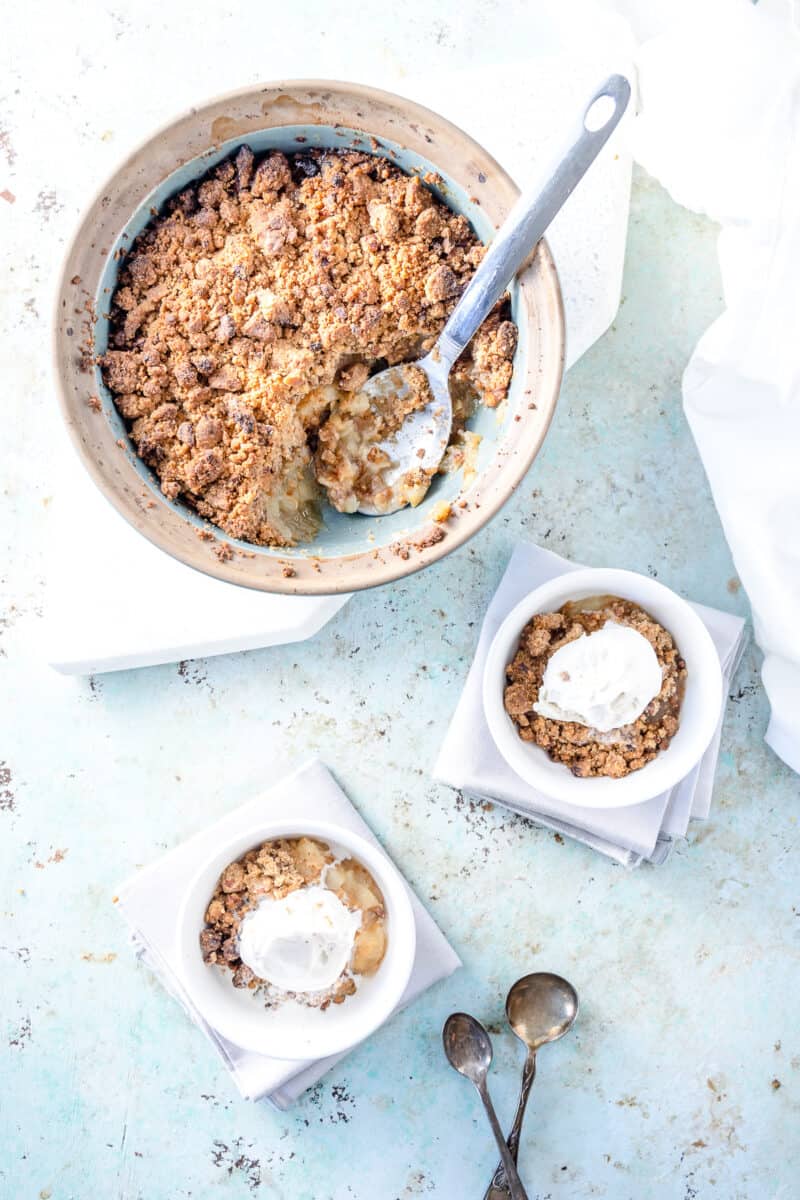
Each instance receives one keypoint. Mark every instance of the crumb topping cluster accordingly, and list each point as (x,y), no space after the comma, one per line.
(257,298)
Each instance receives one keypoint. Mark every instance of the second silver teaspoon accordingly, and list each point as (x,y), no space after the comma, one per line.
(540,1008)
(420,442)
(469,1050)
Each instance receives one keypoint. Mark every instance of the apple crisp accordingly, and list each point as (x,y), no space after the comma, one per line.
(586,751)
(256,304)
(273,871)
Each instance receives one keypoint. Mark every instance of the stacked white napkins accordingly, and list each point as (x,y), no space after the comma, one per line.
(470,761)
(150,903)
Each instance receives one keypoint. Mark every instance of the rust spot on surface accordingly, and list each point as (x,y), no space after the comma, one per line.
(22,1035)
(7,797)
(7,147)
(56,857)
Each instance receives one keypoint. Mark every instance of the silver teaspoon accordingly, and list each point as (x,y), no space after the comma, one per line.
(420,442)
(540,1008)
(469,1050)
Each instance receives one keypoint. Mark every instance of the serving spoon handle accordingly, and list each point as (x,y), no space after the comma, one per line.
(498,1188)
(529,218)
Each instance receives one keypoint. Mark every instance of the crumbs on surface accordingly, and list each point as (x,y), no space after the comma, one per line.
(429,538)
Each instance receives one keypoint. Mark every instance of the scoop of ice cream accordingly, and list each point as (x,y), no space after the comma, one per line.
(300,943)
(603,680)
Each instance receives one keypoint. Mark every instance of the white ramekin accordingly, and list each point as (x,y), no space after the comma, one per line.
(291,1031)
(700,711)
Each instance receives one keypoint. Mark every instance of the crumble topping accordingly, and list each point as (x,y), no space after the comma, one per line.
(586,751)
(259,301)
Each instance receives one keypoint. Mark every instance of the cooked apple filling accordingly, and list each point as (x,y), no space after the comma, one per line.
(355,461)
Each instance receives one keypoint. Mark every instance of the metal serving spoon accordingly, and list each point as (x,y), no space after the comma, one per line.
(422,439)
(469,1050)
(540,1008)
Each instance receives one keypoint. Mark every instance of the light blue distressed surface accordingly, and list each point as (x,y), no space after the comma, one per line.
(688,974)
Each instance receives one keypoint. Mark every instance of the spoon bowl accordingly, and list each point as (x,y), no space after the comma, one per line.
(467,1046)
(541,1008)
(421,440)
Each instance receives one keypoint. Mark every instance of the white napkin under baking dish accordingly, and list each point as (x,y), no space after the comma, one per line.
(150,903)
(470,761)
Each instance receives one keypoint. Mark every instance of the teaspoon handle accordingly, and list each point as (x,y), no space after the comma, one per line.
(515,1188)
(498,1188)
(528,220)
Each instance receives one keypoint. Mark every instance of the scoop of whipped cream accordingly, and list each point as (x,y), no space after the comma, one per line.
(300,943)
(603,680)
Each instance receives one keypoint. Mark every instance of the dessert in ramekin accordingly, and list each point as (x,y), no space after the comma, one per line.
(296,921)
(367,893)
(645,721)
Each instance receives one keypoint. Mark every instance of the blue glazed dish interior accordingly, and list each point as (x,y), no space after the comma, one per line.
(341,534)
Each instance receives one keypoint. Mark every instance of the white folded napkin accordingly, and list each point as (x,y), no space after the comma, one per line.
(718,127)
(151,900)
(470,761)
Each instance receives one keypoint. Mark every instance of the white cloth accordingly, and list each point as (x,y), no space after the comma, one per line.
(719,127)
(470,761)
(151,900)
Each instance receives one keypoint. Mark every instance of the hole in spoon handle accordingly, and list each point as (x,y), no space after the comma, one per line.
(604,111)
